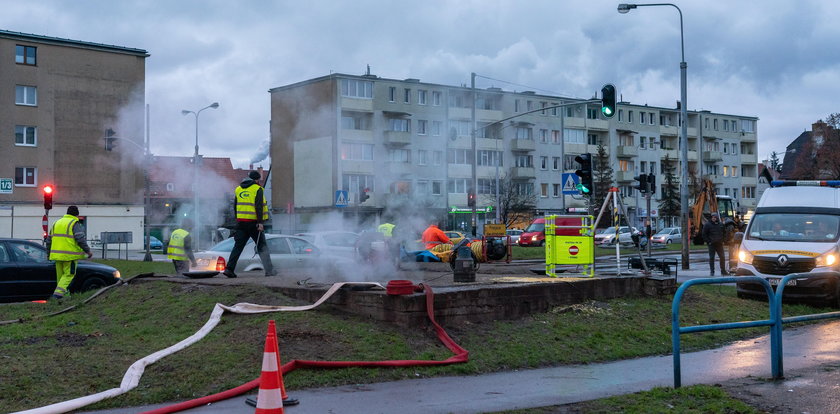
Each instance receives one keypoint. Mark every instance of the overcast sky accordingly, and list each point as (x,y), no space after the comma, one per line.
(774,59)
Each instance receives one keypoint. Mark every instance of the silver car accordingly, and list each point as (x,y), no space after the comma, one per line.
(288,253)
(514,235)
(334,243)
(667,235)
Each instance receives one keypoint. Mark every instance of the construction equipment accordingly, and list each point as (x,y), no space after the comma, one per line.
(706,203)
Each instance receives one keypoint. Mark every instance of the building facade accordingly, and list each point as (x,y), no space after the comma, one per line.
(408,143)
(58,97)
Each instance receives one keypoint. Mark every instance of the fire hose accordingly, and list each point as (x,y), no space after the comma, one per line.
(132,376)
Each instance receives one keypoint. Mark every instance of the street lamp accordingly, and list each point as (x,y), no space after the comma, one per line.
(625,8)
(197,218)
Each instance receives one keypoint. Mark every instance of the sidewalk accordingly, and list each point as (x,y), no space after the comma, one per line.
(809,351)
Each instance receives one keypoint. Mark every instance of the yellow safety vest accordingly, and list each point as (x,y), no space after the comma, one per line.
(63,245)
(387,229)
(246,203)
(175,250)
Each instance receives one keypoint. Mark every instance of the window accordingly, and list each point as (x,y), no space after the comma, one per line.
(526,161)
(436,127)
(734,171)
(460,156)
(544,190)
(726,148)
(422,158)
(457,186)
(392,94)
(26,176)
(747,192)
(25,55)
(726,172)
(555,163)
(524,189)
(747,125)
(556,190)
(407,95)
(652,142)
(574,136)
(569,162)
(399,155)
(529,105)
(650,118)
(734,149)
(652,167)
(486,186)
(642,117)
(555,136)
(620,115)
(422,187)
(437,187)
(463,128)
(25,135)
(524,133)
(421,126)
(516,105)
(544,136)
(543,163)
(543,105)
(591,113)
(436,98)
(715,123)
(642,142)
(354,88)
(592,139)
(643,166)
(630,116)
(490,158)
(706,123)
(726,125)
(399,124)
(421,96)
(356,152)
(355,120)
(26,95)
(437,157)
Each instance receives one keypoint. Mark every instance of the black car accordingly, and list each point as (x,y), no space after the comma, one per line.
(26,273)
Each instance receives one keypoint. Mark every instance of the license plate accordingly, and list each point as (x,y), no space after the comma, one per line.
(775,282)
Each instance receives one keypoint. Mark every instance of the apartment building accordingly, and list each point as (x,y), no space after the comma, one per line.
(408,143)
(57,99)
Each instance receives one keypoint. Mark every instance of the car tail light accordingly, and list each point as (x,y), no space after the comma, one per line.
(220,264)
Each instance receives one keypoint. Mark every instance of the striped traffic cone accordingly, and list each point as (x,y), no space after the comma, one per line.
(272,329)
(269,397)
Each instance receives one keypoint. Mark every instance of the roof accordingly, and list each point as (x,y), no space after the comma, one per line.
(28,37)
(217,177)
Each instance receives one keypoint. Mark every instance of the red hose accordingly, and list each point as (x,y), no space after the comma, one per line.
(461,355)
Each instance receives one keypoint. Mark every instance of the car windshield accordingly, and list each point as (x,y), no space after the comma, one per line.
(535,227)
(610,230)
(794,227)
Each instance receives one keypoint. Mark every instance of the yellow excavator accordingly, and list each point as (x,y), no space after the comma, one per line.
(706,203)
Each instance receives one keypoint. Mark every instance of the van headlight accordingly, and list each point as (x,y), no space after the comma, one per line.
(745,257)
(827,259)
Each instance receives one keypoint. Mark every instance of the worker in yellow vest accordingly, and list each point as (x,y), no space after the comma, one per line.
(179,248)
(251,211)
(67,244)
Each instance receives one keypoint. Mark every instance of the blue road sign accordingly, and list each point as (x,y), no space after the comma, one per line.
(570,182)
(340,198)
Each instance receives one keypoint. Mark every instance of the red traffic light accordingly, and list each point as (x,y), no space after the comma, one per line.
(48,189)
(48,196)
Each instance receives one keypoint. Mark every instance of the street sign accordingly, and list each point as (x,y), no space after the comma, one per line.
(570,182)
(6,186)
(341,198)
(44,222)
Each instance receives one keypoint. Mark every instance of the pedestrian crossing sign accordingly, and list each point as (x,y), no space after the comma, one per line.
(341,198)
(570,182)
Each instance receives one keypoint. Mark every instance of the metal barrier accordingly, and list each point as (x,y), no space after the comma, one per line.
(775,322)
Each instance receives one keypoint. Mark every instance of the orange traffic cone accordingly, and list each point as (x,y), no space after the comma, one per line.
(272,329)
(269,397)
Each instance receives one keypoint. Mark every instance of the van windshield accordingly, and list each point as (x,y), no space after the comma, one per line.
(794,227)
(535,228)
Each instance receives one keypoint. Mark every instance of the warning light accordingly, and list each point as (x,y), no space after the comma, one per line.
(48,197)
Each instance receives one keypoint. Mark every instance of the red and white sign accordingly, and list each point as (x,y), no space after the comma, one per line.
(573,250)
(44,222)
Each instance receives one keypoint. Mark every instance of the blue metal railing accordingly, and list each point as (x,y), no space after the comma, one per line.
(774,322)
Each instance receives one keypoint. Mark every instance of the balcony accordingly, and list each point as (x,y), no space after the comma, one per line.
(522,145)
(692,155)
(673,155)
(626,151)
(397,138)
(712,156)
(357,104)
(749,159)
(480,114)
(522,173)
(624,176)
(749,181)
(672,130)
(598,124)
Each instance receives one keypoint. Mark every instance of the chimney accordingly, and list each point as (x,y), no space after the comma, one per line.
(251,167)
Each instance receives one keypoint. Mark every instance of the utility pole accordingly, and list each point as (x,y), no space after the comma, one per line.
(474,179)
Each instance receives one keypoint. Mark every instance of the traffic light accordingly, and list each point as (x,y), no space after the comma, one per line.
(363,196)
(48,196)
(584,173)
(608,100)
(642,185)
(110,139)
(651,179)
(471,199)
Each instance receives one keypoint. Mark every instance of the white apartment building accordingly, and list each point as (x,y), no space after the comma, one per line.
(409,143)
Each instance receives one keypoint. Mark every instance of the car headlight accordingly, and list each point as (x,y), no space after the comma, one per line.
(116,274)
(744,256)
(826,259)
(533,238)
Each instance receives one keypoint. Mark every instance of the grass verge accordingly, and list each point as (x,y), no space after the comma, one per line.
(91,347)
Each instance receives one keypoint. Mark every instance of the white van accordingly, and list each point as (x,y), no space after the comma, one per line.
(794,230)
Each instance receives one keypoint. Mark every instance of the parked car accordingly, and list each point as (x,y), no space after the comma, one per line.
(286,252)
(625,236)
(667,235)
(534,234)
(26,273)
(338,243)
(155,243)
(514,235)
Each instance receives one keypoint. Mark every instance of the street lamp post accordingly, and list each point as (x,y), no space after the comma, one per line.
(624,8)
(196,216)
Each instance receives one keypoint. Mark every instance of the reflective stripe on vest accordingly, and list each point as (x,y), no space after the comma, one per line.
(246,199)
(175,250)
(63,245)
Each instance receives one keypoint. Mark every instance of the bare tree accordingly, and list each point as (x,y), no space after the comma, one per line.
(514,204)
